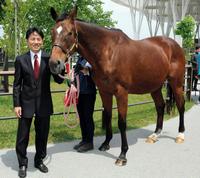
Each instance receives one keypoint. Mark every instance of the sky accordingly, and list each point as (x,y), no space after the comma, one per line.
(121,14)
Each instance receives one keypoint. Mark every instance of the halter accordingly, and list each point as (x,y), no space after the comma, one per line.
(74,45)
(67,51)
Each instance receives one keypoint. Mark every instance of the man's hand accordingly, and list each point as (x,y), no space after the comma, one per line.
(18,111)
(85,71)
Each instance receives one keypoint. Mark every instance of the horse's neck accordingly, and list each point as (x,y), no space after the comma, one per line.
(95,42)
(91,39)
(89,33)
(98,45)
(89,36)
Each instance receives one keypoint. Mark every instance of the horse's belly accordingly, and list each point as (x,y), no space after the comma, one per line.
(135,85)
(142,87)
(106,85)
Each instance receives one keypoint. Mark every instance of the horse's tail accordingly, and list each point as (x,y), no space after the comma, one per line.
(170,100)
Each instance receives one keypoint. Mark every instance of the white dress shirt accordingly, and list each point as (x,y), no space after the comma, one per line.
(32,57)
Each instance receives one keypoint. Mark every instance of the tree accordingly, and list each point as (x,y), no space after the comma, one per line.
(8,26)
(186,28)
(2,3)
(37,13)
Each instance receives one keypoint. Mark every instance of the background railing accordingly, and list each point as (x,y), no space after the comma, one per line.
(5,73)
(61,113)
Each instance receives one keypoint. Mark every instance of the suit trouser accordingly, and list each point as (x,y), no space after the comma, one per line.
(85,108)
(41,137)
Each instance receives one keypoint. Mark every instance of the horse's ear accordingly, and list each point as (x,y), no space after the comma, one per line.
(54,14)
(73,13)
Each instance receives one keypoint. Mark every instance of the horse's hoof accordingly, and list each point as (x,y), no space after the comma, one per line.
(179,140)
(121,162)
(151,140)
(104,147)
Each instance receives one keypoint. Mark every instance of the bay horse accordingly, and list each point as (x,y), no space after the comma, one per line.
(121,66)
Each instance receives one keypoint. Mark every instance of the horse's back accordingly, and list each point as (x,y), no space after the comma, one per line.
(148,63)
(161,50)
(175,56)
(171,48)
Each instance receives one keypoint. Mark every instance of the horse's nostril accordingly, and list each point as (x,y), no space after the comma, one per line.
(58,62)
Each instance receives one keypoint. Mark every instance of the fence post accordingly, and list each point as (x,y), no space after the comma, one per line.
(188,81)
(5,68)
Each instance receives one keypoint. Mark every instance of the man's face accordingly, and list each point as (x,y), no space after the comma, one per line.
(35,42)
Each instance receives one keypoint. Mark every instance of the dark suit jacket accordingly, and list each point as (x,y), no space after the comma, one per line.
(32,95)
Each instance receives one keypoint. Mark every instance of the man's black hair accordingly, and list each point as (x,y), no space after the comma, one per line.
(32,30)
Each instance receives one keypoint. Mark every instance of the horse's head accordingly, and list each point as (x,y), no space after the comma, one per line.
(64,40)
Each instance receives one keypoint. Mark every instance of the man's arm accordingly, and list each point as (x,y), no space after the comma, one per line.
(17,83)
(17,88)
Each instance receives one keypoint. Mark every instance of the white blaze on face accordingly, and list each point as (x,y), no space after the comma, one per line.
(59,29)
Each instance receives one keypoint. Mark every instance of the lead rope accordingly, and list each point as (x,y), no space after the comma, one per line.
(71,99)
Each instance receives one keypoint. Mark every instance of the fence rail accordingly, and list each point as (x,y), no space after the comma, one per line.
(10,94)
(187,88)
(96,110)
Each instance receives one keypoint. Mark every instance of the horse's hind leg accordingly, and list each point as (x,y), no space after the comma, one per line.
(122,102)
(107,116)
(160,106)
(180,103)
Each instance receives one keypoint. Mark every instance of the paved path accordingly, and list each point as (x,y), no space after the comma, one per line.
(164,159)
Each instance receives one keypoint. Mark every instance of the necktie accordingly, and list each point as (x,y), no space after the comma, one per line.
(36,66)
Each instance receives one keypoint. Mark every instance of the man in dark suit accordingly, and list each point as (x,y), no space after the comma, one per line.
(31,95)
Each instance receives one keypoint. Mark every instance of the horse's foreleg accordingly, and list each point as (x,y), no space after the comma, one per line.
(160,106)
(122,102)
(106,119)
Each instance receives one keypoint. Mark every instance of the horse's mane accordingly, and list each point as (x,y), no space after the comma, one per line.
(111,31)
(62,17)
(65,16)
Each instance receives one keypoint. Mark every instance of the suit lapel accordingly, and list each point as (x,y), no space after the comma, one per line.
(42,65)
(28,61)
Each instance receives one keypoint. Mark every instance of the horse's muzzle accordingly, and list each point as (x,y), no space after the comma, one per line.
(56,66)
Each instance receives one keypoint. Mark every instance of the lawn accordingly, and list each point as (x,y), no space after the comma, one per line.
(138,116)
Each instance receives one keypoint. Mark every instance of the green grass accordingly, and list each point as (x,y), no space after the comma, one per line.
(138,116)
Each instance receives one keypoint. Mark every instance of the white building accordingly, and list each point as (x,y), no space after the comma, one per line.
(160,14)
